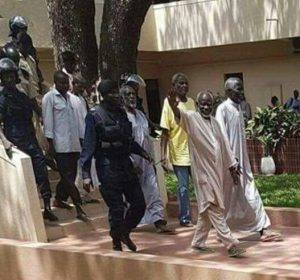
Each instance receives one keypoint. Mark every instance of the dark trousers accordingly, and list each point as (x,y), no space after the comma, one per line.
(39,167)
(67,168)
(112,194)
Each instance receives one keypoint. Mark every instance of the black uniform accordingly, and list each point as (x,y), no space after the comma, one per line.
(108,137)
(16,112)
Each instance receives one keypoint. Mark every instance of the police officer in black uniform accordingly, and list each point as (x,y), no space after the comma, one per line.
(108,138)
(16,116)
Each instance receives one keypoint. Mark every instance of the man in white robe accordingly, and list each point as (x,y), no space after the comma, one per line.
(210,159)
(154,213)
(244,207)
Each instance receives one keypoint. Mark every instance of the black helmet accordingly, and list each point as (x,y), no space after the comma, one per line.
(7,64)
(17,23)
(9,51)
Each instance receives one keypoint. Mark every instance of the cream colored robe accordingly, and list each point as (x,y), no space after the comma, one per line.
(210,158)
(148,180)
(244,208)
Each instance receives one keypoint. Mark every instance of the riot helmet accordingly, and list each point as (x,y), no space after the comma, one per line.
(7,64)
(9,51)
(17,23)
(135,79)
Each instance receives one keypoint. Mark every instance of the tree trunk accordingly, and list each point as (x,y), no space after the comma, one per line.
(73,29)
(120,35)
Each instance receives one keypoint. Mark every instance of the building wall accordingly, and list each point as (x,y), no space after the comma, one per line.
(263,78)
(200,23)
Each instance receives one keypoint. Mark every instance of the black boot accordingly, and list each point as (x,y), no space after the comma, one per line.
(48,214)
(117,245)
(128,242)
(81,215)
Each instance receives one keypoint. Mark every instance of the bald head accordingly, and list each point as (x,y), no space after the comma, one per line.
(234,89)
(205,101)
(204,95)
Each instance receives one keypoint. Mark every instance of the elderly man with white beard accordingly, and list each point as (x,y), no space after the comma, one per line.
(244,207)
(154,206)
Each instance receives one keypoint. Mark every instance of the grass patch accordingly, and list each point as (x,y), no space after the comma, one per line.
(278,190)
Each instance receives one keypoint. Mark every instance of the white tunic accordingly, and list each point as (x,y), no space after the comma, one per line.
(243,204)
(148,180)
(210,158)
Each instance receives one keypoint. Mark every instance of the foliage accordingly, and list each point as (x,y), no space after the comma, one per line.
(271,125)
(218,99)
(278,190)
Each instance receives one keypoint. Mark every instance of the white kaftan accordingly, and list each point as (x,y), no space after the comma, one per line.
(211,157)
(244,207)
(148,180)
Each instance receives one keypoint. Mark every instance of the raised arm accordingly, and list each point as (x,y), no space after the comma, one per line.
(173,103)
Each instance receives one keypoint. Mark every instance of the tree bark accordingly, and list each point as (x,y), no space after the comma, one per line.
(73,29)
(120,34)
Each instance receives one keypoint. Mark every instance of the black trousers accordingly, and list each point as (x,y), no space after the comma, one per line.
(39,167)
(67,168)
(112,194)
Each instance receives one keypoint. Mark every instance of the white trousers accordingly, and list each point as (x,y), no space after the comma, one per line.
(213,216)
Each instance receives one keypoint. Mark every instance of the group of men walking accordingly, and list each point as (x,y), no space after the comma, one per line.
(107,146)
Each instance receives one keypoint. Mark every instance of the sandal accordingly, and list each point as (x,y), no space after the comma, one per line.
(235,252)
(204,249)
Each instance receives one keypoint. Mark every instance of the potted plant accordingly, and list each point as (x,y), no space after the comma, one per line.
(267,166)
(270,126)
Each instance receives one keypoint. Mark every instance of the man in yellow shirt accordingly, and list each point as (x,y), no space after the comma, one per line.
(176,139)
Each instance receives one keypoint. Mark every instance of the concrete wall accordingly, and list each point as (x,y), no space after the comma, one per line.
(199,23)
(20,212)
(263,78)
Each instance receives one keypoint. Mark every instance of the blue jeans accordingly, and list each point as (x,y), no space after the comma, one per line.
(183,173)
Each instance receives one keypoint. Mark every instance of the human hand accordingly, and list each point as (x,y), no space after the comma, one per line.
(51,150)
(235,173)
(8,147)
(172,98)
(164,165)
(147,157)
(87,184)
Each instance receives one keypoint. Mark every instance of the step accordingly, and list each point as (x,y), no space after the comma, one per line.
(57,230)
(279,216)
(92,209)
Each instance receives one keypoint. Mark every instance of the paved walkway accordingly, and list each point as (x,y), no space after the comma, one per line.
(277,258)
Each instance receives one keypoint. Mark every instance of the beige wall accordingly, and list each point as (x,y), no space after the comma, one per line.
(199,23)
(20,211)
(262,77)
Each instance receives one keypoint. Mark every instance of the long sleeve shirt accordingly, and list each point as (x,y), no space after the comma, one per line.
(61,122)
